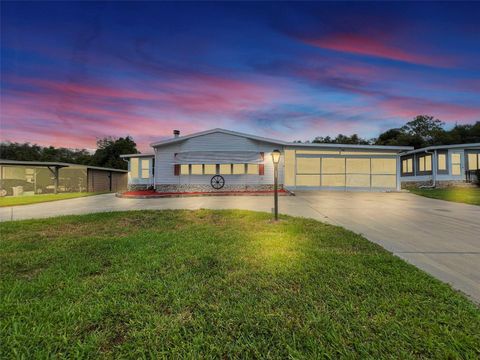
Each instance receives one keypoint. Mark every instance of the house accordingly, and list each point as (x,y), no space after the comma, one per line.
(40,177)
(243,162)
(440,166)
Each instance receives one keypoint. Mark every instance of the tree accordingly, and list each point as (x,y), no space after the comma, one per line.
(109,150)
(425,127)
(342,139)
(29,152)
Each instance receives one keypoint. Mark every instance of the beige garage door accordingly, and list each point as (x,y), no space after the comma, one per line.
(345,172)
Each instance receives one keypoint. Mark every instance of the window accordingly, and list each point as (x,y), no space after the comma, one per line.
(238,169)
(197,169)
(473,161)
(252,169)
(134,167)
(225,169)
(184,169)
(456,164)
(442,163)
(425,164)
(210,169)
(407,166)
(145,166)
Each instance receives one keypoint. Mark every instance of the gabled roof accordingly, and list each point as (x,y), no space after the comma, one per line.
(216,130)
(275,141)
(443,147)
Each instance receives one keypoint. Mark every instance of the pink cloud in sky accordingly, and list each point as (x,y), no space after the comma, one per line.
(374,46)
(409,107)
(72,114)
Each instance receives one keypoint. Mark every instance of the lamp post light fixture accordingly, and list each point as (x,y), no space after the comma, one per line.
(276,159)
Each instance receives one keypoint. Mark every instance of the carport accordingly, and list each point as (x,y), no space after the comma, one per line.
(53,167)
(43,177)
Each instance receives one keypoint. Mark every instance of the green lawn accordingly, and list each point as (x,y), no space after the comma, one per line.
(218,284)
(463,195)
(33,199)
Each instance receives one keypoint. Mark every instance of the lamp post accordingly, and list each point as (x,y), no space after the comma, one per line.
(276,160)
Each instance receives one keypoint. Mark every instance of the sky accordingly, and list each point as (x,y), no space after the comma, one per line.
(75,72)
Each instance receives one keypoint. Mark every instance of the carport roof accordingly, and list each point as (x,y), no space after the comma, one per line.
(55,164)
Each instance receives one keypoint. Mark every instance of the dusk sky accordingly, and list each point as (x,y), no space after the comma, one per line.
(74,72)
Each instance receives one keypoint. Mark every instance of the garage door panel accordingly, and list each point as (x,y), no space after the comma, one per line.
(358,180)
(358,166)
(333,165)
(333,180)
(308,180)
(384,181)
(384,166)
(308,165)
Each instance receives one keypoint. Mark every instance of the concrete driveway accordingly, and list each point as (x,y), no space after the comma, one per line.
(440,237)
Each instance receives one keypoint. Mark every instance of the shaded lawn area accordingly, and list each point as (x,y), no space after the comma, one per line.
(222,284)
(462,195)
(33,199)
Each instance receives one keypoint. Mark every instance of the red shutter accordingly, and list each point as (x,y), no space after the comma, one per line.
(261,169)
(176,169)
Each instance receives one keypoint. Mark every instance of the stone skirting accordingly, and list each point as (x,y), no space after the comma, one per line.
(439,184)
(208,188)
(138,187)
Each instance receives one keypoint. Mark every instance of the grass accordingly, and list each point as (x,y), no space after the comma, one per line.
(462,195)
(218,284)
(33,199)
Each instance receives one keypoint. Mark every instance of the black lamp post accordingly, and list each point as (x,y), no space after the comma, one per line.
(276,160)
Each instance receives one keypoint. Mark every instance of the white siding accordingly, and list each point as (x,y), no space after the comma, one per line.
(164,166)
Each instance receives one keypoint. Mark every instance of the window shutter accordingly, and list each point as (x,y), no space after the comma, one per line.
(176,169)
(261,169)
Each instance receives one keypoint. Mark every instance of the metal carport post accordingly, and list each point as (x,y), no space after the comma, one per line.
(55,175)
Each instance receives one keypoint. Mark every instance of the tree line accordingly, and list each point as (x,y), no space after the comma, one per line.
(107,153)
(422,131)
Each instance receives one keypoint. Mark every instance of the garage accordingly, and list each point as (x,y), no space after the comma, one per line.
(341,170)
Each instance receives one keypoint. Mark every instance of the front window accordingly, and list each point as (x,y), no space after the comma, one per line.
(145,164)
(225,169)
(184,169)
(134,167)
(210,169)
(473,161)
(222,169)
(238,169)
(407,166)
(197,169)
(425,164)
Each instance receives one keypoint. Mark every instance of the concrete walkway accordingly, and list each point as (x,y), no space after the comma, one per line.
(442,238)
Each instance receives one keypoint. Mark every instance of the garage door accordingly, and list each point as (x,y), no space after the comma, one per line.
(346,172)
